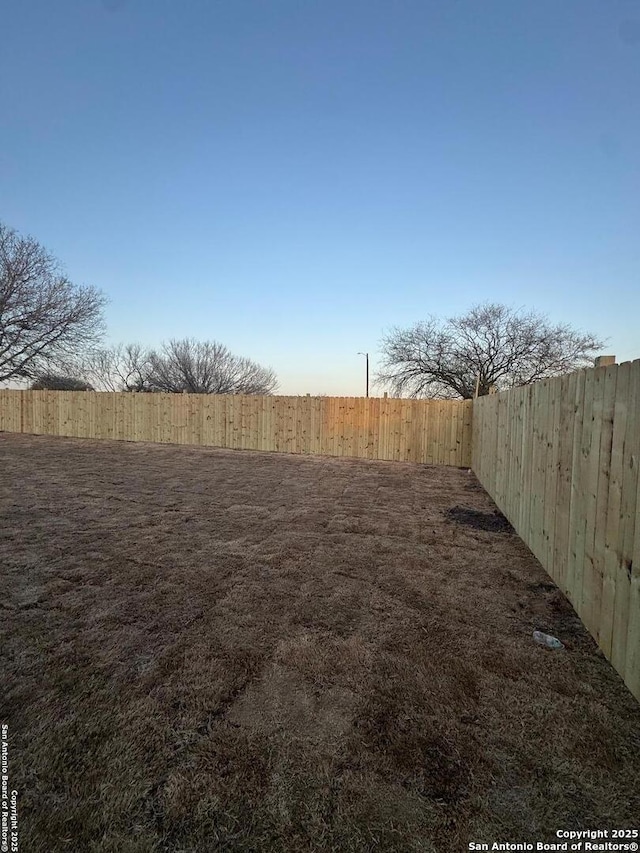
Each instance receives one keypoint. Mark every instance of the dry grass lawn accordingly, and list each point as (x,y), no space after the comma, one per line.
(209,650)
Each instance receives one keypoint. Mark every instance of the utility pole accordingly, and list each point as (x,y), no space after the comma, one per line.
(366,355)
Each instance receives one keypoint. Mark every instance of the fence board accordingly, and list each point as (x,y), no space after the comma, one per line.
(627,530)
(598,495)
(559,560)
(585,467)
(632,662)
(551,473)
(575,517)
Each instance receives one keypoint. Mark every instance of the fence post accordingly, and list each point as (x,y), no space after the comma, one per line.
(604,360)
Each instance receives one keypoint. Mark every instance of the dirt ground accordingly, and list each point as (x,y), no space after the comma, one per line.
(212,650)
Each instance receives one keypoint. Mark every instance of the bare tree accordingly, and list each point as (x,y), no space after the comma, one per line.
(207,368)
(502,346)
(55,382)
(123,367)
(44,318)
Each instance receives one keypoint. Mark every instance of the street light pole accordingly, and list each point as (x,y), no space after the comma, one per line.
(366,355)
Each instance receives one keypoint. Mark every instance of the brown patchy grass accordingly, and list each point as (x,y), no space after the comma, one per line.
(209,650)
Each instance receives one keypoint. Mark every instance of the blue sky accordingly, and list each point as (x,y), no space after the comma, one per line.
(293,178)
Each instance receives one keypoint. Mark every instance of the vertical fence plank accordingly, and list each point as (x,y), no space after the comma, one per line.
(427,427)
(366,427)
(614,508)
(535,531)
(397,429)
(515,448)
(299,441)
(195,418)
(632,660)
(575,510)
(562,502)
(404,412)
(349,444)
(467,443)
(435,432)
(585,466)
(383,434)
(277,423)
(310,424)
(551,472)
(326,413)
(602,502)
(627,529)
(319,424)
(261,424)
(10,410)
(597,489)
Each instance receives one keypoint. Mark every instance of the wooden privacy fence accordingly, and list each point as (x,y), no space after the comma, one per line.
(429,431)
(561,459)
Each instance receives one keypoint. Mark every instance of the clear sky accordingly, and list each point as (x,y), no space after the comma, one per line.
(293,178)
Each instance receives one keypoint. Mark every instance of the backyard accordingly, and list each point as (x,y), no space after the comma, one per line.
(210,650)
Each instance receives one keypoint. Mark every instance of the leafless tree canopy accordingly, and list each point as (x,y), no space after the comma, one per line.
(179,365)
(505,347)
(207,368)
(118,368)
(55,382)
(44,318)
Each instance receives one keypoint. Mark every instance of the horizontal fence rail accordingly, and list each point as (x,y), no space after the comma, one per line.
(561,460)
(435,432)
